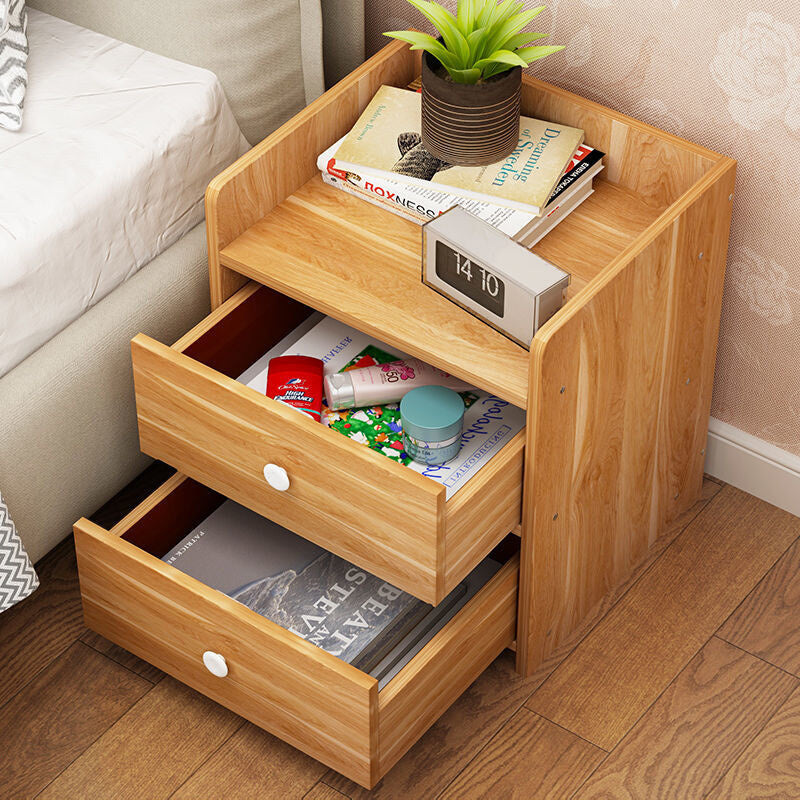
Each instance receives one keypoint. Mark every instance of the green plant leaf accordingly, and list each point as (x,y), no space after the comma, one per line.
(511,26)
(465,75)
(520,40)
(529,54)
(501,57)
(447,26)
(466,15)
(423,41)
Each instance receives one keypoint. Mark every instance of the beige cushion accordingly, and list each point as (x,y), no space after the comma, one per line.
(68,423)
(266,53)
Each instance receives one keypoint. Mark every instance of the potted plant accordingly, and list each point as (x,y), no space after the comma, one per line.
(472,76)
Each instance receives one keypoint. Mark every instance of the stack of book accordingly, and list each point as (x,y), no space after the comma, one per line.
(314,594)
(382,160)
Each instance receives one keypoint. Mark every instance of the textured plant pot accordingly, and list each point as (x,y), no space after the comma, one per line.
(469,124)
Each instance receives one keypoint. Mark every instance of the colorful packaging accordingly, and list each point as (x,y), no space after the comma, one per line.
(297,382)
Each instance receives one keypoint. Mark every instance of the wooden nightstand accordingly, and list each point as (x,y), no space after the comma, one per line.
(617,387)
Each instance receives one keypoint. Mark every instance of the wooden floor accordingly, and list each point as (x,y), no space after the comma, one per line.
(687,686)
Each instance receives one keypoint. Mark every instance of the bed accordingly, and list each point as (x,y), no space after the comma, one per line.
(130,256)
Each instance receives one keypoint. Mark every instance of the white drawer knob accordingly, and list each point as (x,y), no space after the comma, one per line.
(215,663)
(276,477)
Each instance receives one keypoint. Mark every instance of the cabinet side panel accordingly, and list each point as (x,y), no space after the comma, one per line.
(656,165)
(286,159)
(620,398)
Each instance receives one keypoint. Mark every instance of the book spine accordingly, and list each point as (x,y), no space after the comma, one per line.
(371,177)
(386,190)
(348,188)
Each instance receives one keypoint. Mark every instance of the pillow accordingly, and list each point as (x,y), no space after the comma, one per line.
(17,576)
(13,57)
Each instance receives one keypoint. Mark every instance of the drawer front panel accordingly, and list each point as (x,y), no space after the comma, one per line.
(307,698)
(421,693)
(341,495)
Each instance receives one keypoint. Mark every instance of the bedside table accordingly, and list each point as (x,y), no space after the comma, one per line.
(617,388)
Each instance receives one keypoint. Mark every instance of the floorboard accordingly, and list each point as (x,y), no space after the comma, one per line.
(629,658)
(767,623)
(452,741)
(36,631)
(690,737)
(151,751)
(529,757)
(247,762)
(122,656)
(769,769)
(324,792)
(48,724)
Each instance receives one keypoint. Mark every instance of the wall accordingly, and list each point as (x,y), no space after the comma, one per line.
(725,75)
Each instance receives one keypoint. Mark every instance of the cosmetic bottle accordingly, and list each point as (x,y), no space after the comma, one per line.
(384,383)
(432,418)
(297,381)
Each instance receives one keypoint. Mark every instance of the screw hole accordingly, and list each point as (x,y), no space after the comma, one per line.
(730,197)
(701,254)
(688,381)
(703,452)
(563,389)
(675,496)
(555,516)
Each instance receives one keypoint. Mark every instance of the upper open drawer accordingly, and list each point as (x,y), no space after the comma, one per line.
(364,507)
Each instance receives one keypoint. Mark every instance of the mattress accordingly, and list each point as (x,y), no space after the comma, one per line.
(109,169)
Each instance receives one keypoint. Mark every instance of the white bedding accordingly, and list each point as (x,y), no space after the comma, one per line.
(109,169)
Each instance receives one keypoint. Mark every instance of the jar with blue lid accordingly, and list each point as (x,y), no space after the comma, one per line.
(432,418)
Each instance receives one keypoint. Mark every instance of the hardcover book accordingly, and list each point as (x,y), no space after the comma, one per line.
(421,203)
(316,595)
(386,140)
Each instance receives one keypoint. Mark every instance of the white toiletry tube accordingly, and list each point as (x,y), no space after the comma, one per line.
(385,383)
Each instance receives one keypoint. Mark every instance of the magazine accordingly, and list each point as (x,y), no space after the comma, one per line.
(316,595)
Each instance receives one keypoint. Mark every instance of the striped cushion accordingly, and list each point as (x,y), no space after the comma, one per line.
(13,55)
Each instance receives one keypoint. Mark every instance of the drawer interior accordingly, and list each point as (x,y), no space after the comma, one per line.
(281,682)
(210,428)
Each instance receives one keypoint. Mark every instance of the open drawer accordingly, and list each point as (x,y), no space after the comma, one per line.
(282,683)
(388,519)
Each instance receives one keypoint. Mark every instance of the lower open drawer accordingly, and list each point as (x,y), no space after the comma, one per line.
(307,697)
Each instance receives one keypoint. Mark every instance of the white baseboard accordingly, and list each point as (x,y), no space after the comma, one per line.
(753,465)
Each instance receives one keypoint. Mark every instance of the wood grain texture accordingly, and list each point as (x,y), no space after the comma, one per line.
(194,415)
(621,667)
(249,763)
(621,391)
(276,680)
(483,512)
(649,161)
(122,656)
(447,665)
(286,159)
(36,631)
(456,737)
(769,769)
(330,238)
(59,714)
(222,433)
(530,757)
(693,733)
(324,792)
(767,623)
(151,750)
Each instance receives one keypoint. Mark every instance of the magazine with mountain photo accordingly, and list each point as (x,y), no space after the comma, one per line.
(386,141)
(298,585)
